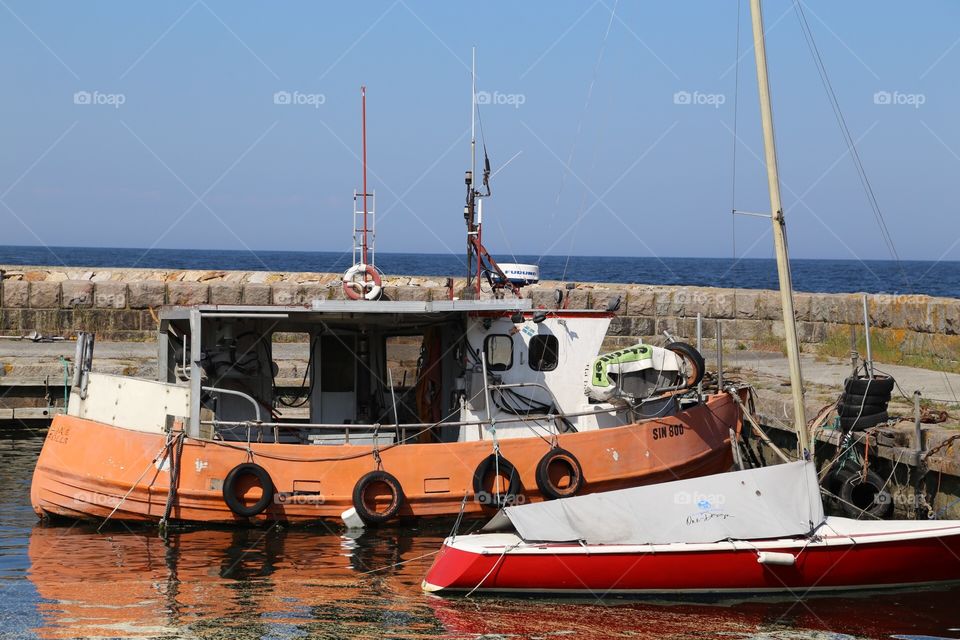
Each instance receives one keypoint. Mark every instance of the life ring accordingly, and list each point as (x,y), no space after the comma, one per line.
(491,465)
(247,469)
(367,493)
(555,467)
(366,289)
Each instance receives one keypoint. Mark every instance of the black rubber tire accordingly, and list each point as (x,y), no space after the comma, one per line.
(864,422)
(487,466)
(857,398)
(834,480)
(852,410)
(869,495)
(369,515)
(693,357)
(881,386)
(229,487)
(547,487)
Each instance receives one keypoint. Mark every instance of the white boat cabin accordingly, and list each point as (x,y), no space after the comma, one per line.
(356,388)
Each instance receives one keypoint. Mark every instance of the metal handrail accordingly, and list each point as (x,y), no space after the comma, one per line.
(241,394)
(413,425)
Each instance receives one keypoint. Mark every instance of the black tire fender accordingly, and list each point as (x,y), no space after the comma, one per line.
(360,497)
(860,409)
(489,465)
(693,357)
(229,489)
(548,488)
(863,422)
(867,494)
(879,386)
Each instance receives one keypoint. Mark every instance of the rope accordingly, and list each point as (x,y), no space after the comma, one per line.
(402,562)
(153,462)
(175,460)
(493,568)
(573,148)
(847,137)
(456,523)
(841,500)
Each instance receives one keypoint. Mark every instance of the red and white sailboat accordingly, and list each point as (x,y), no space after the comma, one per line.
(757,531)
(745,532)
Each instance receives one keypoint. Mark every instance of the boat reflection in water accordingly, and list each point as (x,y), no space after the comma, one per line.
(259,583)
(247,583)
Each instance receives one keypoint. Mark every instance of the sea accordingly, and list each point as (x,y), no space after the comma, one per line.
(817,276)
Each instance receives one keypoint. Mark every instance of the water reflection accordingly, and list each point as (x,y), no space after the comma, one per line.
(295,583)
(254,583)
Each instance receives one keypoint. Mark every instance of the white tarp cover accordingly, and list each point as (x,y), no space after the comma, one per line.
(770,502)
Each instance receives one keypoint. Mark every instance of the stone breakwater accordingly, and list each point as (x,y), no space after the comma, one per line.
(120,304)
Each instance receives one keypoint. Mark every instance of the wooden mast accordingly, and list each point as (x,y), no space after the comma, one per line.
(779,231)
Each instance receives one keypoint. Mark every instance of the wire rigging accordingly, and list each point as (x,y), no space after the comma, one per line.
(848,138)
(576,137)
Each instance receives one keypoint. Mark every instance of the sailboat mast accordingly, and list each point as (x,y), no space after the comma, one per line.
(779,231)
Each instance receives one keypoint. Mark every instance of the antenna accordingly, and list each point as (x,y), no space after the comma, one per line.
(473,112)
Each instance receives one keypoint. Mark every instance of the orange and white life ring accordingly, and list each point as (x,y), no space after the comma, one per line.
(368,287)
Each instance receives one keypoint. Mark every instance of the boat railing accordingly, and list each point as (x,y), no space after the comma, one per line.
(394,429)
(399,431)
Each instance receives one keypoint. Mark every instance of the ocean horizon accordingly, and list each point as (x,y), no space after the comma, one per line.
(812,275)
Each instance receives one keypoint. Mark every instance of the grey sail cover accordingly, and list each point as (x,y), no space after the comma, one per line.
(770,502)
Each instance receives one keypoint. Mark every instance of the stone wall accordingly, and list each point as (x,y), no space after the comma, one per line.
(121,304)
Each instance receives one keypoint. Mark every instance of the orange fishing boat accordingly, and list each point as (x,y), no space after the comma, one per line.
(509,404)
(514,421)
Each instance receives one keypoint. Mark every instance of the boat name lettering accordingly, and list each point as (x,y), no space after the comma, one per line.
(59,433)
(667,431)
(707,516)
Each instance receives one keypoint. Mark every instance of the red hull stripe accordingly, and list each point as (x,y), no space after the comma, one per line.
(819,567)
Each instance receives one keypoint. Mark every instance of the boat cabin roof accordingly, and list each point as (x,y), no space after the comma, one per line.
(351,307)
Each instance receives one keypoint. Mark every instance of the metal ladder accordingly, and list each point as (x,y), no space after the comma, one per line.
(358,227)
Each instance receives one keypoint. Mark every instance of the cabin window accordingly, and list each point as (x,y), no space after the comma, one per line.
(544,352)
(499,350)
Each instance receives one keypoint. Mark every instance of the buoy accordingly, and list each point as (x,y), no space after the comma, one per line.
(363,288)
(352,519)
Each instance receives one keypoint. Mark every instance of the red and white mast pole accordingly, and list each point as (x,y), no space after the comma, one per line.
(363,101)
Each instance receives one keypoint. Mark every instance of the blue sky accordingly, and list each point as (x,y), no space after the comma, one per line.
(181,143)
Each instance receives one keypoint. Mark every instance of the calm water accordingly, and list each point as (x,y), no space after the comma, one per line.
(71,582)
(822,276)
